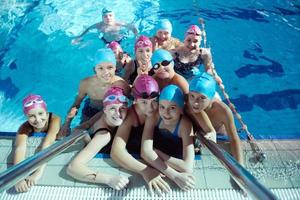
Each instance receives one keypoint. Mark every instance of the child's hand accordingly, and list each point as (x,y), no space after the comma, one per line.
(21,186)
(155,182)
(72,113)
(185,181)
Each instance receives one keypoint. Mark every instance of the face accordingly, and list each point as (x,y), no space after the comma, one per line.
(115,113)
(192,41)
(105,71)
(169,112)
(198,102)
(143,54)
(163,35)
(37,117)
(108,18)
(148,106)
(164,70)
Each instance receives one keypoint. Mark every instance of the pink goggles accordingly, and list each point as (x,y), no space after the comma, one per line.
(142,41)
(33,101)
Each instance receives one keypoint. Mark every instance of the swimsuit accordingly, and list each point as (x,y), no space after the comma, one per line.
(167,142)
(89,111)
(106,149)
(133,76)
(133,145)
(187,70)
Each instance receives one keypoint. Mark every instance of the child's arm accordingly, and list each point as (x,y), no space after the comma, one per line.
(235,143)
(121,156)
(49,139)
(79,38)
(20,152)
(65,129)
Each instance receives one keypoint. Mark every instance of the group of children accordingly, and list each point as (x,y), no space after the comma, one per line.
(138,106)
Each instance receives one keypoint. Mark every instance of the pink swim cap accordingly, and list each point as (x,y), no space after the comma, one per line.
(145,87)
(114,95)
(194,30)
(142,41)
(33,101)
(114,45)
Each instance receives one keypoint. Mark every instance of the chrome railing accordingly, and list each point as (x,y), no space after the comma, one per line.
(244,179)
(12,175)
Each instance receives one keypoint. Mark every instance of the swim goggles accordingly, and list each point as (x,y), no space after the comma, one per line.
(121,98)
(163,63)
(35,101)
(143,43)
(145,95)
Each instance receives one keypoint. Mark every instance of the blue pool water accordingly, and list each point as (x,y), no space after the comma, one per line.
(254,46)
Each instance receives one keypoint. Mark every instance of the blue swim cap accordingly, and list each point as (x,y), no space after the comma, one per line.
(174,94)
(160,55)
(164,24)
(105,11)
(105,55)
(204,84)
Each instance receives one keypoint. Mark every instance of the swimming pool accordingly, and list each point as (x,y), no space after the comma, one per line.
(254,46)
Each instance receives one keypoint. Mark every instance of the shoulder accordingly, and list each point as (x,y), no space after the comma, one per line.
(221,107)
(55,118)
(25,129)
(185,122)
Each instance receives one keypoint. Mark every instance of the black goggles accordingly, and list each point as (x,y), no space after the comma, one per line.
(163,63)
(145,95)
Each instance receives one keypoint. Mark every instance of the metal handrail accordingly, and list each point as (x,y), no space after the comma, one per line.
(12,175)
(248,182)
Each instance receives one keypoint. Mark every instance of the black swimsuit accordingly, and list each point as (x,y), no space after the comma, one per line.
(134,142)
(187,70)
(106,149)
(133,76)
(169,143)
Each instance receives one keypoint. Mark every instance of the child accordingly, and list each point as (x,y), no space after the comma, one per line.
(167,139)
(94,88)
(103,128)
(163,38)
(38,120)
(110,28)
(164,74)
(201,98)
(129,136)
(123,59)
(142,62)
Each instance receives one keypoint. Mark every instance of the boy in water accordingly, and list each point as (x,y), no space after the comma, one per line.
(94,87)
(109,27)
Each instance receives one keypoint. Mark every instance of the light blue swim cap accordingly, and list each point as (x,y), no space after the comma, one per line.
(204,84)
(174,94)
(105,55)
(160,55)
(164,24)
(106,10)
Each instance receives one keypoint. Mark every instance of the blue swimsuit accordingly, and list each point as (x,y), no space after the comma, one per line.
(169,143)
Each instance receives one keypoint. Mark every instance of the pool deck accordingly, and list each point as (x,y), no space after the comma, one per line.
(280,169)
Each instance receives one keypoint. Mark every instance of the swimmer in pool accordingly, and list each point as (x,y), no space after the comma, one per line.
(109,27)
(38,120)
(163,36)
(94,87)
(129,135)
(167,142)
(103,129)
